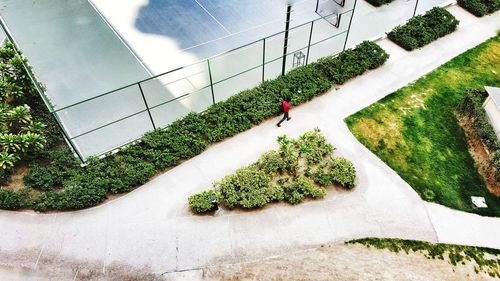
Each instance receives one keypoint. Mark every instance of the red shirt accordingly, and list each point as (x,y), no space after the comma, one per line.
(286,106)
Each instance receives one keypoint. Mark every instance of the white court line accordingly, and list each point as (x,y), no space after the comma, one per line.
(249,29)
(213,17)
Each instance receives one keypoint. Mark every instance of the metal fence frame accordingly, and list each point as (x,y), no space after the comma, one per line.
(69,139)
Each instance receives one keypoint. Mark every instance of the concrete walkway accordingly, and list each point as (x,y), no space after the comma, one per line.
(151,230)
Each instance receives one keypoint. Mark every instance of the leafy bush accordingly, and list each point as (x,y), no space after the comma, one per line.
(63,166)
(247,188)
(271,162)
(12,200)
(472,107)
(339,171)
(378,3)
(421,30)
(202,202)
(343,172)
(5,176)
(314,147)
(114,174)
(19,133)
(189,136)
(283,175)
(301,188)
(480,8)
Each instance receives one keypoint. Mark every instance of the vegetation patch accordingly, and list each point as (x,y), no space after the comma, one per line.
(414,130)
(480,8)
(485,259)
(57,182)
(300,169)
(477,125)
(422,30)
(378,3)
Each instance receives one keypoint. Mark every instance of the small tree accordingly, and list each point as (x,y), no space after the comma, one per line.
(19,134)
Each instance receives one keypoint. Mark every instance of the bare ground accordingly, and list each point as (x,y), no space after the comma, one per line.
(480,154)
(347,262)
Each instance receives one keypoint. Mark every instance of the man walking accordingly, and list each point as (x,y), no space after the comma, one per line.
(286,109)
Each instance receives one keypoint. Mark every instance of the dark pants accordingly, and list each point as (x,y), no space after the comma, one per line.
(285,116)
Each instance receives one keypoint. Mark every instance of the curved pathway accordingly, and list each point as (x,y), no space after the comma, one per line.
(150,230)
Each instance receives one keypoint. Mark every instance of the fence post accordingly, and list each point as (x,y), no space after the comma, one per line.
(350,22)
(263,59)
(285,44)
(147,107)
(415,10)
(66,136)
(211,81)
(309,44)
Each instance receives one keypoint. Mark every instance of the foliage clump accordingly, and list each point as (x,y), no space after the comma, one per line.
(422,30)
(283,175)
(202,202)
(19,133)
(480,8)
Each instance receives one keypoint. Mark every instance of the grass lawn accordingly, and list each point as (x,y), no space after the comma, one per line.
(415,132)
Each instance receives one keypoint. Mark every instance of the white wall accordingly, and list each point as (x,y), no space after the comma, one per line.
(493,114)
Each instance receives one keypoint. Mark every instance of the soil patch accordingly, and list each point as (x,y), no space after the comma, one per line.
(480,154)
(16,180)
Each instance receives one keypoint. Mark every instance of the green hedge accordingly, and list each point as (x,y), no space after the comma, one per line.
(283,175)
(422,30)
(472,108)
(190,135)
(378,3)
(480,8)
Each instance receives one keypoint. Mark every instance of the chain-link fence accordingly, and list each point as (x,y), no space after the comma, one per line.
(106,122)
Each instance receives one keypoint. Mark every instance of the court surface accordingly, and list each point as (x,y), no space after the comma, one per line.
(169,34)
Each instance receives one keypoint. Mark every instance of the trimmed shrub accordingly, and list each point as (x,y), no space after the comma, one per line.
(480,8)
(202,202)
(421,30)
(190,135)
(378,3)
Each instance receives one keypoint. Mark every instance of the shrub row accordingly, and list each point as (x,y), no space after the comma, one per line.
(284,175)
(472,108)
(190,135)
(480,8)
(378,3)
(421,30)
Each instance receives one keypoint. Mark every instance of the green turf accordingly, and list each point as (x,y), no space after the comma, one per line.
(415,132)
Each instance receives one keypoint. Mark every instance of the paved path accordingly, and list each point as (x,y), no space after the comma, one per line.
(150,230)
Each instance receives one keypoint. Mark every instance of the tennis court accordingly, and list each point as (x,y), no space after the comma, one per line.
(91,54)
